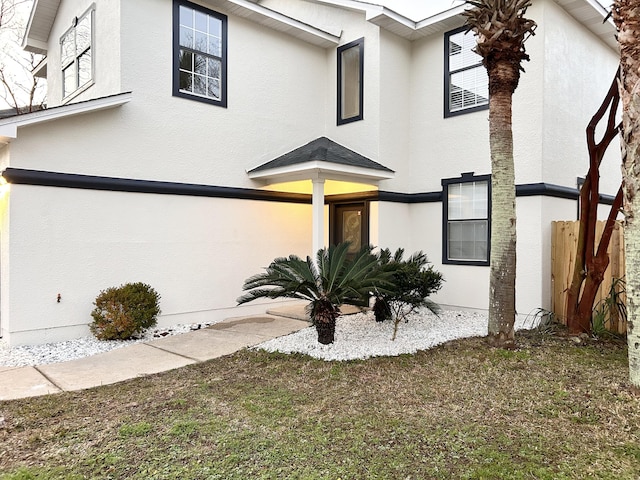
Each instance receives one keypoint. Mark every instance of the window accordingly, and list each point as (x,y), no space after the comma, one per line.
(350,85)
(75,54)
(199,53)
(466,81)
(466,220)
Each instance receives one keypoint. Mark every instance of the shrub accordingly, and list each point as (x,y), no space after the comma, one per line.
(413,280)
(610,311)
(126,311)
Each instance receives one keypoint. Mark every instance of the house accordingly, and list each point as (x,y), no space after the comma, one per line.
(188,143)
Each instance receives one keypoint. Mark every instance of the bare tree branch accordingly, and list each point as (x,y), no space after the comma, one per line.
(20,90)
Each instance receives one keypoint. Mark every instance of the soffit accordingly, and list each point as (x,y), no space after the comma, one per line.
(402,26)
(36,36)
(591,14)
(44,13)
(277,21)
(588,12)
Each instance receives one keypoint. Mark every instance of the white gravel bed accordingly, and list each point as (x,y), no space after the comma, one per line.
(359,336)
(30,355)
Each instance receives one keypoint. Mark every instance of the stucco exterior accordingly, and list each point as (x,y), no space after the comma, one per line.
(158,188)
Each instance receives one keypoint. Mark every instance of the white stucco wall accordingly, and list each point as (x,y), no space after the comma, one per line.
(394,220)
(361,136)
(105,50)
(160,137)
(196,252)
(276,101)
(578,72)
(395,110)
(440,147)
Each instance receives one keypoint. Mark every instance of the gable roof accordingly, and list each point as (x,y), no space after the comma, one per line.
(321,158)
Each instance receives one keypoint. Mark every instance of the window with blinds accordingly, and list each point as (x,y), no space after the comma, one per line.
(466,215)
(466,82)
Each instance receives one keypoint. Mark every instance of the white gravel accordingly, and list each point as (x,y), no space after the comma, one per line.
(25,355)
(357,336)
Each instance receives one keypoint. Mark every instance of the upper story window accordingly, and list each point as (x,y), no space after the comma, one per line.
(350,84)
(466,220)
(466,81)
(75,54)
(199,53)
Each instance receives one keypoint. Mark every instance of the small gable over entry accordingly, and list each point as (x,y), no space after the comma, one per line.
(320,160)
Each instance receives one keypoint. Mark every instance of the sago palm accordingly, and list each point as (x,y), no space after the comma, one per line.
(332,280)
(501,30)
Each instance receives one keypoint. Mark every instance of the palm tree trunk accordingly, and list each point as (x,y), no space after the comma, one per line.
(626,14)
(324,315)
(326,332)
(502,282)
(631,178)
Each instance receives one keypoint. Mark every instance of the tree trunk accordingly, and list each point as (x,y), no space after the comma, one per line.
(324,315)
(326,331)
(589,267)
(381,310)
(631,174)
(503,78)
(626,15)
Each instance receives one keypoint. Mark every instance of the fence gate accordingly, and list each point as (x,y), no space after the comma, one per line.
(564,242)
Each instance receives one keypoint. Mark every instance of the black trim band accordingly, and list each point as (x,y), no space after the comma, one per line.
(92,182)
(427,197)
(556,191)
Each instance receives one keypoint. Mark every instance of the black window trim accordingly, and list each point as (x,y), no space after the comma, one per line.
(360,116)
(466,177)
(176,54)
(447,75)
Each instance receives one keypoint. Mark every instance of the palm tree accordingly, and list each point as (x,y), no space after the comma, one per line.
(332,280)
(626,15)
(501,31)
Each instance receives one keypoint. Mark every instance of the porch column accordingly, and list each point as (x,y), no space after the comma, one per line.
(317,207)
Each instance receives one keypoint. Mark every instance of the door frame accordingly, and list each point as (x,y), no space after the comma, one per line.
(344,202)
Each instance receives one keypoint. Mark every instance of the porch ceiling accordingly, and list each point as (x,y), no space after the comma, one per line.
(321,159)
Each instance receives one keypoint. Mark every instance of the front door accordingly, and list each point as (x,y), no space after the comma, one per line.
(349,222)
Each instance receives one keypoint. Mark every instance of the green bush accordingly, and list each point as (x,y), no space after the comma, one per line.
(412,281)
(126,311)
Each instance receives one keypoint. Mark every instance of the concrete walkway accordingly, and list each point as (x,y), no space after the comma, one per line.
(147,358)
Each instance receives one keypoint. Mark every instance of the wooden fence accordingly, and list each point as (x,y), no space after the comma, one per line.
(564,241)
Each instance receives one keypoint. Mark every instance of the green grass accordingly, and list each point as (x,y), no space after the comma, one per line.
(549,410)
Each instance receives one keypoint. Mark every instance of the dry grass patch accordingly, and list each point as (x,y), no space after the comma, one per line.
(551,409)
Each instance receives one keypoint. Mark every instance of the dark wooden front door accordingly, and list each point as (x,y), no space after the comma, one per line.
(350,223)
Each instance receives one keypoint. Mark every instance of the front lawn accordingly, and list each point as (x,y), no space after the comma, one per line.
(551,409)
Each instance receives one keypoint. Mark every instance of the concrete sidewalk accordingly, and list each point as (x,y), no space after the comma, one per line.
(142,359)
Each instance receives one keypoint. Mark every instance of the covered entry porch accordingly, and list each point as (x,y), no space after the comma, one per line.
(341,183)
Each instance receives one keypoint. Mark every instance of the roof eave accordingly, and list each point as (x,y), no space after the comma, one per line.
(592,15)
(278,21)
(588,12)
(320,170)
(9,126)
(36,36)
